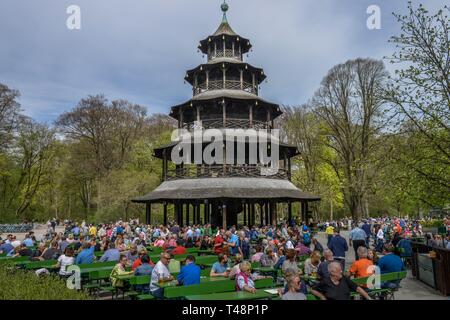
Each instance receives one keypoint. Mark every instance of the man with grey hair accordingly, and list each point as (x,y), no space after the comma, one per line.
(362,267)
(322,271)
(337,286)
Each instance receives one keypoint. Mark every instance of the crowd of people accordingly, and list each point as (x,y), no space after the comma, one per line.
(326,272)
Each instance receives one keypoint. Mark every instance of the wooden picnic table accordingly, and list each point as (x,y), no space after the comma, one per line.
(205,252)
(174,283)
(236,295)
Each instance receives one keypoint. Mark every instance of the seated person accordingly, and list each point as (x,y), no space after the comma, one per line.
(64,261)
(322,270)
(312,264)
(52,252)
(119,270)
(160,273)
(244,280)
(235,269)
(145,268)
(390,263)
(138,261)
(290,264)
(257,256)
(268,259)
(220,268)
(337,286)
(363,267)
(87,254)
(190,273)
(112,254)
(293,291)
(179,249)
(22,251)
(281,258)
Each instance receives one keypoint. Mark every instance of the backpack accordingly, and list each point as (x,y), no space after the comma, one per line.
(306,238)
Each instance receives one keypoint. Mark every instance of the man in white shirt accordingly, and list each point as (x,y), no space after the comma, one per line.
(160,272)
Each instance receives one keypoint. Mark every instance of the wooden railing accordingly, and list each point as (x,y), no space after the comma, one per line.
(225,171)
(228,53)
(230,124)
(228,85)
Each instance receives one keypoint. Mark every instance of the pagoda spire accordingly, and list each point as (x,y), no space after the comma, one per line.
(224,8)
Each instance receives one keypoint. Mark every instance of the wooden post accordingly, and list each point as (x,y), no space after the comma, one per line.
(181,118)
(207,80)
(261,214)
(254,83)
(273,213)
(242,78)
(224,78)
(215,49)
(244,205)
(232,47)
(164,164)
(206,211)
(251,116)
(165,213)
(187,214)
(148,213)
(224,216)
(289,168)
(198,114)
(289,210)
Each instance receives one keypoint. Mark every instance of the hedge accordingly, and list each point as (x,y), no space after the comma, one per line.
(26,285)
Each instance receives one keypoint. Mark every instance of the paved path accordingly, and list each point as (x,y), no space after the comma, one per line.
(412,289)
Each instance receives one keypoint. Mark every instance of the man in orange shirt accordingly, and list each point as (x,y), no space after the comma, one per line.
(362,267)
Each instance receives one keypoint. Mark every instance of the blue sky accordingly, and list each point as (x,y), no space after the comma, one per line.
(139,50)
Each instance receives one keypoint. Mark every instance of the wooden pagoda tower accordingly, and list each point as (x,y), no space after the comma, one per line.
(226,95)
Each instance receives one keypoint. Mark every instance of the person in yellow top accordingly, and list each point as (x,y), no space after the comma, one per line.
(93,231)
(119,270)
(329,231)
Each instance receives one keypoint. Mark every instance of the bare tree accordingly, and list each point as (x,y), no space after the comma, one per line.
(350,101)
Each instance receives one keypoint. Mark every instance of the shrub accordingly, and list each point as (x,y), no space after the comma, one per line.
(26,285)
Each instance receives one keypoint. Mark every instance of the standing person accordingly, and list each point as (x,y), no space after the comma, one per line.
(190,273)
(338,246)
(330,232)
(233,244)
(380,239)
(357,238)
(367,229)
(218,243)
(160,273)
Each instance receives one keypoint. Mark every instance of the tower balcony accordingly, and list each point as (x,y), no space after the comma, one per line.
(225,171)
(229,124)
(227,53)
(227,85)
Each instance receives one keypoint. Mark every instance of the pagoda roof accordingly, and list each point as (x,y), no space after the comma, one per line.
(226,188)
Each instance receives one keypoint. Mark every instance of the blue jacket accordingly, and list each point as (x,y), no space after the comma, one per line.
(391,263)
(406,245)
(366,228)
(189,275)
(338,245)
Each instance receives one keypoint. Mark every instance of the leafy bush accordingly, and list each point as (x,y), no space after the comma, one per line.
(433,223)
(26,285)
